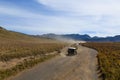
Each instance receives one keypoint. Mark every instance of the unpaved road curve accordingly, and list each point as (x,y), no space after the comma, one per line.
(79,67)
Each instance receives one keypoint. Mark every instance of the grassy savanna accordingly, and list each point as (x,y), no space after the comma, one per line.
(19,51)
(108,58)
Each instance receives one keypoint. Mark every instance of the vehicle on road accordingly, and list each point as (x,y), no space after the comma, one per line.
(72,51)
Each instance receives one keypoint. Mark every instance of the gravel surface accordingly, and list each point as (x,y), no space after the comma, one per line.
(78,67)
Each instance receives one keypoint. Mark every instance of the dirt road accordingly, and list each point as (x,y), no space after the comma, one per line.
(79,67)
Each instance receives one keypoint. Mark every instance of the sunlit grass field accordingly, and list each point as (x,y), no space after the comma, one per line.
(108,58)
(20,51)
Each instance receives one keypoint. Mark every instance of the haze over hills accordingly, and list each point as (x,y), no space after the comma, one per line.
(12,36)
(6,34)
(25,51)
(85,37)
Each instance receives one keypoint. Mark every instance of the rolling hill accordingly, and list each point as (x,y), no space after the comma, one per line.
(19,51)
(8,36)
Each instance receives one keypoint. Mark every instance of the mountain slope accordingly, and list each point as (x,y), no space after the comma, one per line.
(85,37)
(6,35)
(20,51)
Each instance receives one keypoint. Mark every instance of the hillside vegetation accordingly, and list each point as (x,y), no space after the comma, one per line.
(20,51)
(108,58)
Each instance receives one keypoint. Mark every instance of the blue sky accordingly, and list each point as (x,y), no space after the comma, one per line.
(93,17)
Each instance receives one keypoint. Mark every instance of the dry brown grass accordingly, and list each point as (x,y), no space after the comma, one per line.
(19,49)
(108,58)
(12,53)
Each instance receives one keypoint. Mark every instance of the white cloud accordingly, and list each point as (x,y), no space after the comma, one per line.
(105,14)
(85,7)
(101,17)
(18,12)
